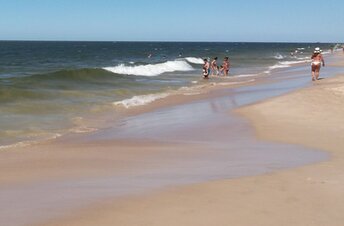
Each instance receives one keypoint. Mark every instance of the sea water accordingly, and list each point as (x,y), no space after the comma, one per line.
(48,89)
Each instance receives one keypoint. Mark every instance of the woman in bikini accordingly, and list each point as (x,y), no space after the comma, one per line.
(214,68)
(317,60)
(225,66)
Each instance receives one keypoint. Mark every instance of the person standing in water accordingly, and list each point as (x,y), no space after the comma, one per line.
(317,60)
(225,66)
(206,69)
(213,66)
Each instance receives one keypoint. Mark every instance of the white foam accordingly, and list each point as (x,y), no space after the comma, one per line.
(189,91)
(289,63)
(83,129)
(141,100)
(279,56)
(246,75)
(285,64)
(149,98)
(22,144)
(303,58)
(151,69)
(279,65)
(194,60)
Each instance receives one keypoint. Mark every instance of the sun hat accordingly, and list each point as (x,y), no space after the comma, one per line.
(317,50)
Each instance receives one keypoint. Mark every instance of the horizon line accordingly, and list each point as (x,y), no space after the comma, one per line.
(174,41)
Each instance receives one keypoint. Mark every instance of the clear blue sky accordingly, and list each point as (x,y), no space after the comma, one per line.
(168,20)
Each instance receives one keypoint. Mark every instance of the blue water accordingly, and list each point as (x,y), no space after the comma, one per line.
(50,88)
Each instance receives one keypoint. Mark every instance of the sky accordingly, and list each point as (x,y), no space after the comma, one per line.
(178,20)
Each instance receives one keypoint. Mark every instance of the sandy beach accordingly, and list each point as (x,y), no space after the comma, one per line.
(140,113)
(286,189)
(310,195)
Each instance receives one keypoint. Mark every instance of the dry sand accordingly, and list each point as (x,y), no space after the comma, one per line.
(309,195)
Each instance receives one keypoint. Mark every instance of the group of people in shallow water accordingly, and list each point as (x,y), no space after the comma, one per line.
(211,68)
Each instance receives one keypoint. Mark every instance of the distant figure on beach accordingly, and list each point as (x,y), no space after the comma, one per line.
(225,66)
(206,69)
(214,67)
(317,60)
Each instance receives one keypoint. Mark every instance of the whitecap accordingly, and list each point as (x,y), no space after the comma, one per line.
(194,60)
(151,69)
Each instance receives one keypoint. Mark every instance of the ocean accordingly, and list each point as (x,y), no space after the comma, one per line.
(49,89)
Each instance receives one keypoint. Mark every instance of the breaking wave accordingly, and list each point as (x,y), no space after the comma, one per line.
(140,100)
(194,60)
(151,69)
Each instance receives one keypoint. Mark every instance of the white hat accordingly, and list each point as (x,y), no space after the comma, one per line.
(317,50)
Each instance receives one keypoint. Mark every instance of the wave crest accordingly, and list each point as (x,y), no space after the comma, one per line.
(194,60)
(279,56)
(141,100)
(151,69)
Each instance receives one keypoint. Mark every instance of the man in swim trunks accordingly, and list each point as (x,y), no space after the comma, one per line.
(213,66)
(317,60)
(206,69)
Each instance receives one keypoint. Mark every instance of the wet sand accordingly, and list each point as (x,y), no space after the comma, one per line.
(111,177)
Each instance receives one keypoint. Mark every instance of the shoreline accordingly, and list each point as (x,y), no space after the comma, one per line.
(82,149)
(307,195)
(93,122)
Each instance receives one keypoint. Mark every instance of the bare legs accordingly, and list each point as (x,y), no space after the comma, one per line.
(315,72)
(317,75)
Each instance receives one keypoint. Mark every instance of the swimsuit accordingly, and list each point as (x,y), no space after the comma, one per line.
(316,63)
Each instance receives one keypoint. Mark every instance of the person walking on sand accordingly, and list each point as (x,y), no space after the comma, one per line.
(225,66)
(213,66)
(206,69)
(317,60)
